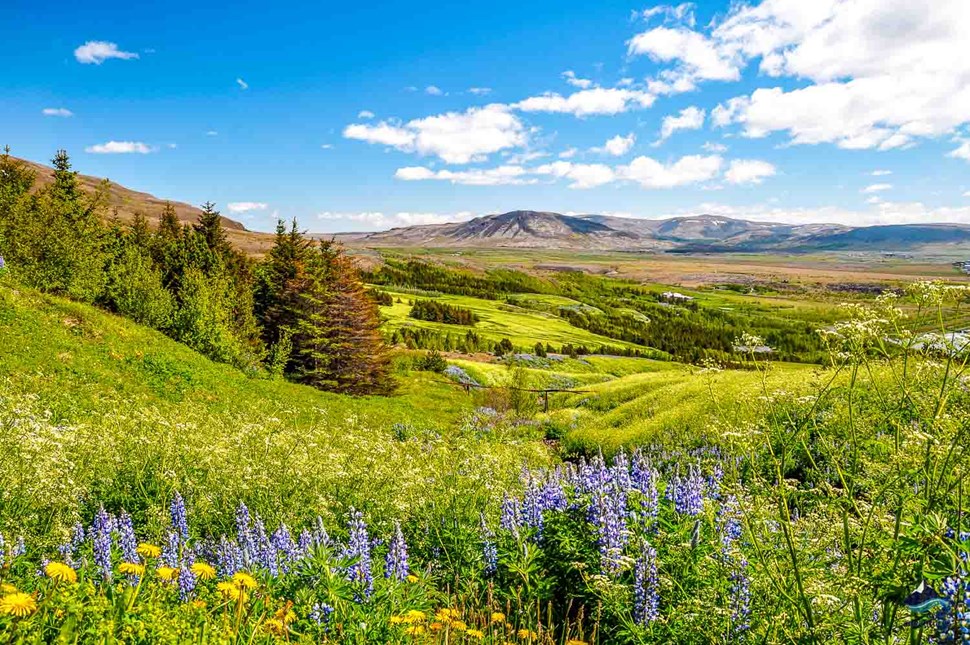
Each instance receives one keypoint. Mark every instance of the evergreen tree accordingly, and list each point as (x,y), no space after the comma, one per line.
(210,228)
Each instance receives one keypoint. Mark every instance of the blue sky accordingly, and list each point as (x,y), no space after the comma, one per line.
(377,115)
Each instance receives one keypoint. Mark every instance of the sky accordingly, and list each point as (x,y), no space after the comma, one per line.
(364,117)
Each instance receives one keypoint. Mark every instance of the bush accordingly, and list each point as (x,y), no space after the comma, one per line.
(432,362)
(443,313)
(135,289)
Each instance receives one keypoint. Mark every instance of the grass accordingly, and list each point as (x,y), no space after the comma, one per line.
(498,320)
(95,409)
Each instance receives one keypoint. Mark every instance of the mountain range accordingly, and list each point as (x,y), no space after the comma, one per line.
(698,233)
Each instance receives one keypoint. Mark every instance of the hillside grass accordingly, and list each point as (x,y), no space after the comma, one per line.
(97,410)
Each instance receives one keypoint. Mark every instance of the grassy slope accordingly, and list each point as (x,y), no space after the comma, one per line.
(498,320)
(94,407)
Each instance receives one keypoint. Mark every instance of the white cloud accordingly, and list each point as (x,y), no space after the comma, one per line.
(599,100)
(691,169)
(575,81)
(681,13)
(212,133)
(881,212)
(876,74)
(245,207)
(433,90)
(455,137)
(616,146)
(509,175)
(62,112)
(690,118)
(876,188)
(748,171)
(967,194)
(963,152)
(379,220)
(327,146)
(712,146)
(243,85)
(580,174)
(568,153)
(120,147)
(881,173)
(480,91)
(365,114)
(97,51)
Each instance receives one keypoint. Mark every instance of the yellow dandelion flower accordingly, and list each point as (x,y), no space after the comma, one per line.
(167,573)
(133,569)
(498,617)
(203,571)
(574,641)
(7,588)
(146,550)
(527,634)
(412,578)
(199,604)
(228,590)
(459,625)
(18,604)
(475,633)
(275,626)
(414,630)
(414,616)
(244,580)
(60,572)
(396,620)
(436,626)
(286,613)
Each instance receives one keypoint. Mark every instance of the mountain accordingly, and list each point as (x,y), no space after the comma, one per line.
(124,202)
(700,233)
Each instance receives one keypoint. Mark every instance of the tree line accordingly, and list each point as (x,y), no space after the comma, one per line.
(302,312)
(442,312)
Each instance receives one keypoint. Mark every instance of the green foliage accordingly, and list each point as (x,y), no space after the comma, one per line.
(432,361)
(434,311)
(134,288)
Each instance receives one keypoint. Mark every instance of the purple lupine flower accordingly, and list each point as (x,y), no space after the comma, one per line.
(740,594)
(511,515)
(101,542)
(688,493)
(489,549)
(171,552)
(646,587)
(396,561)
(244,535)
(320,614)
(606,513)
(358,549)
(304,543)
(229,557)
(713,483)
(126,538)
(531,510)
(186,578)
(265,550)
(283,543)
(644,479)
(180,521)
(729,525)
(19,548)
(320,535)
(68,550)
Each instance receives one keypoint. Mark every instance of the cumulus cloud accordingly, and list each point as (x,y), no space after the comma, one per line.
(748,171)
(243,85)
(650,173)
(881,173)
(245,207)
(433,90)
(616,146)
(881,212)
(713,146)
(454,137)
(95,52)
(479,91)
(508,175)
(61,112)
(589,102)
(365,114)
(876,74)
(575,81)
(876,188)
(580,175)
(963,152)
(690,118)
(120,147)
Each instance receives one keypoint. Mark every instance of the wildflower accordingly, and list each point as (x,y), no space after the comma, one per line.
(489,549)
(740,594)
(170,554)
(646,595)
(146,550)
(7,588)
(475,633)
(126,537)
(229,590)
(60,572)
(167,573)
(320,614)
(412,578)
(101,542)
(275,626)
(243,535)
(186,578)
(286,613)
(415,630)
(510,515)
(396,562)
(414,616)
(526,634)
(244,580)
(229,557)
(497,618)
(19,548)
(459,625)
(574,641)
(18,604)
(132,569)
(179,517)
(69,549)
(203,571)
(358,549)
(396,620)
(283,544)
(200,604)
(436,626)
